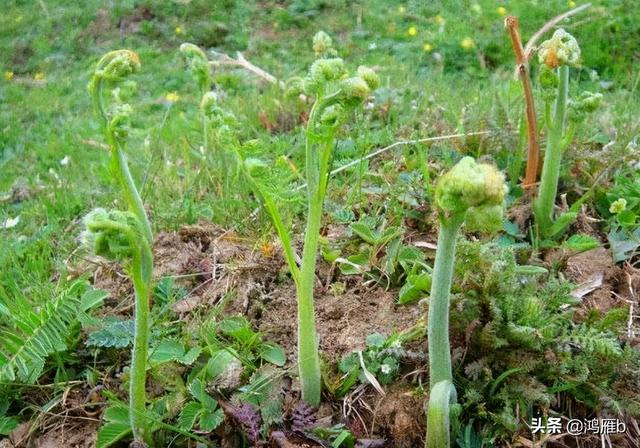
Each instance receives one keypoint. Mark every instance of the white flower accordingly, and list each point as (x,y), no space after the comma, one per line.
(385,369)
(10,223)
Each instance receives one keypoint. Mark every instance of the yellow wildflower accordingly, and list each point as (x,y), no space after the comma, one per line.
(467,43)
(172,97)
(440,20)
(618,206)
(412,31)
(267,249)
(502,11)
(178,29)
(39,76)
(571,4)
(402,9)
(8,75)
(427,47)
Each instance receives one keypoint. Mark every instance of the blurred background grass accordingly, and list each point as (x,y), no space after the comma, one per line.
(446,66)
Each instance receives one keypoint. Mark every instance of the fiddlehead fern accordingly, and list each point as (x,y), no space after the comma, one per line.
(124,236)
(336,96)
(471,193)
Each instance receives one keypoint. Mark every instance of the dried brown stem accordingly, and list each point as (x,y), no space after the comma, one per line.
(533,145)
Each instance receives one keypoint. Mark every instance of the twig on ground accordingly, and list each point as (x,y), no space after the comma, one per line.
(241,61)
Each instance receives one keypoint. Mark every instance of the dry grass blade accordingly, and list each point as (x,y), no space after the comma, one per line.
(372,379)
(241,61)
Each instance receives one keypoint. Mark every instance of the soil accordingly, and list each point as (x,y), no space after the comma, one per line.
(603,285)
(595,269)
(343,320)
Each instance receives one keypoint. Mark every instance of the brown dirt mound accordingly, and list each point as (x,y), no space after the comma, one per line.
(343,320)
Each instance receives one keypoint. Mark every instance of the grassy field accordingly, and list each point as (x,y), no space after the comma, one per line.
(542,326)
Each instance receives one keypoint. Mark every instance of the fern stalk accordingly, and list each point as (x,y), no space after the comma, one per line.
(438,326)
(141,274)
(440,375)
(543,207)
(317,177)
(557,55)
(125,236)
(471,193)
(335,96)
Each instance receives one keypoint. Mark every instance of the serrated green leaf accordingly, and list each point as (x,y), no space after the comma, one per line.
(116,428)
(167,291)
(388,234)
(92,299)
(375,340)
(190,357)
(343,216)
(117,334)
(627,218)
(416,286)
(210,420)
(512,229)
(238,328)
(349,363)
(117,414)
(580,243)
(354,264)
(624,244)
(365,232)
(112,432)
(273,353)
(189,414)
(409,256)
(197,390)
(167,351)
(7,424)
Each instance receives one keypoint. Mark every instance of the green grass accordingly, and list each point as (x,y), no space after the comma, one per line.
(431,85)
